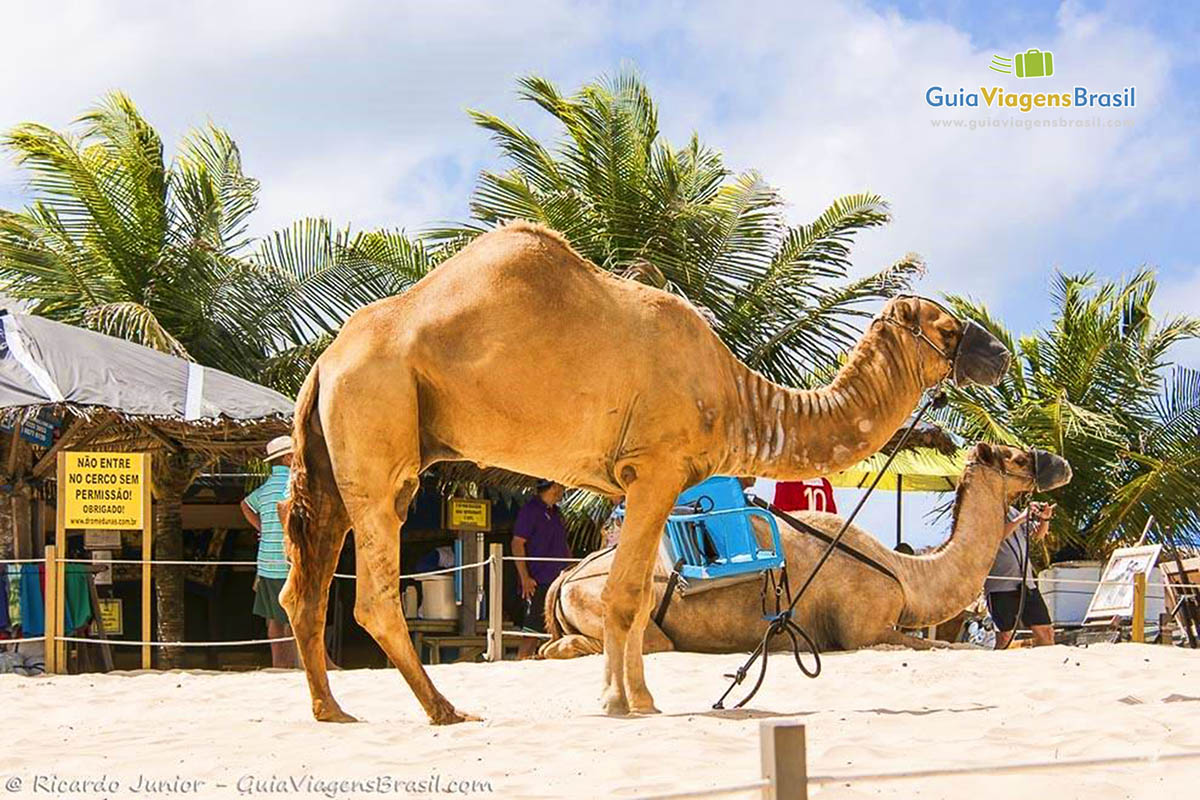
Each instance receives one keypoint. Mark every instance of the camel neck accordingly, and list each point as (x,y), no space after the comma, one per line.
(940,584)
(793,434)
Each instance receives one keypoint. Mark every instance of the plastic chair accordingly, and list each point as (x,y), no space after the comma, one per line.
(716,540)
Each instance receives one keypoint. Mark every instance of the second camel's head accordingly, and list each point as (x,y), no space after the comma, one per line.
(1023,470)
(946,346)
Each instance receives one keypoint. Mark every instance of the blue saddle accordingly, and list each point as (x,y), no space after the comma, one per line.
(715,539)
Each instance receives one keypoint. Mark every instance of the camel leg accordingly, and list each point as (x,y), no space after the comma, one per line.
(378,608)
(305,597)
(572,645)
(628,598)
(893,636)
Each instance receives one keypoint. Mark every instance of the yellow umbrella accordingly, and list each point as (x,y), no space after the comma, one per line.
(921,469)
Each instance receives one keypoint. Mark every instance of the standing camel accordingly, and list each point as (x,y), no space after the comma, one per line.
(518,353)
(851,604)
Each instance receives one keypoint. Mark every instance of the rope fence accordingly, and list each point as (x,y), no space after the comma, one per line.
(152,643)
(485,562)
(496,631)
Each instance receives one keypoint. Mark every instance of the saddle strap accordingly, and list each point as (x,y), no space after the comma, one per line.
(804,527)
(673,581)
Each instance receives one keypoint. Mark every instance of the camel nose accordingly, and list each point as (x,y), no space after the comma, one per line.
(1052,471)
(981,357)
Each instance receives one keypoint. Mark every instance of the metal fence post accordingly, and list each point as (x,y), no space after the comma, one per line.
(784,761)
(495,647)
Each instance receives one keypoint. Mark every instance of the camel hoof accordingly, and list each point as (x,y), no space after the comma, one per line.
(453,717)
(615,706)
(648,709)
(333,715)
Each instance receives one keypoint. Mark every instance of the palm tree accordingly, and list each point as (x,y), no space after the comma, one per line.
(679,219)
(1096,388)
(121,242)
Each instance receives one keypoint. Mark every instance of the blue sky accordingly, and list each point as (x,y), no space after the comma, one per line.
(355,110)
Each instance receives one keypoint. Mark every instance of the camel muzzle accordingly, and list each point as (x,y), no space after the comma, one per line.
(1052,471)
(981,358)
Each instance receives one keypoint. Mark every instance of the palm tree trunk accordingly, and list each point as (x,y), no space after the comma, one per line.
(173,474)
(168,580)
(7,535)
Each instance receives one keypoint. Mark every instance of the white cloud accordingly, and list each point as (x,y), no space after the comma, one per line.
(840,108)
(354,110)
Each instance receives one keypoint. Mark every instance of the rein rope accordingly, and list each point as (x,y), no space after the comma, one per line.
(782,623)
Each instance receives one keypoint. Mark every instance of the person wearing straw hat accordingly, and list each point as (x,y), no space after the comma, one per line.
(260,509)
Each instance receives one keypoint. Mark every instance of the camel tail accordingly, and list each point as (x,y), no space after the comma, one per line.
(553,623)
(312,475)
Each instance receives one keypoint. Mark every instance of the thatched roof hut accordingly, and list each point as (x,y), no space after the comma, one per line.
(65,388)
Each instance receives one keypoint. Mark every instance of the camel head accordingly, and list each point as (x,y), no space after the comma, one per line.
(1023,470)
(948,347)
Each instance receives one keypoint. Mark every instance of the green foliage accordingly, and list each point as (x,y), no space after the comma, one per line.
(1096,388)
(121,242)
(678,219)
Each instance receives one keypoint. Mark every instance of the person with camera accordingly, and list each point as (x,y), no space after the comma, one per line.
(1012,573)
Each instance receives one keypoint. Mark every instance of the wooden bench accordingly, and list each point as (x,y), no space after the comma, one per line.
(470,647)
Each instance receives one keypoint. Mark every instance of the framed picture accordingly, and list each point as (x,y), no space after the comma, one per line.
(1114,595)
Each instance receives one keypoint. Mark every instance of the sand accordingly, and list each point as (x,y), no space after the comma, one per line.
(543,737)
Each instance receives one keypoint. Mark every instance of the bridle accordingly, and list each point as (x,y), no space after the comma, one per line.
(950,358)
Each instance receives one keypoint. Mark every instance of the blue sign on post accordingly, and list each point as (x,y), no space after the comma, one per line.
(37,430)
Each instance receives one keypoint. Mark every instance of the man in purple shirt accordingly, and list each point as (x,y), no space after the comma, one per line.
(538,533)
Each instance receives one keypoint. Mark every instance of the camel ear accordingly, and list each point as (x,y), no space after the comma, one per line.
(908,309)
(984,453)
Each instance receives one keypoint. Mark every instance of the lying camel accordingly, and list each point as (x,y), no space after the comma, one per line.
(850,604)
(517,353)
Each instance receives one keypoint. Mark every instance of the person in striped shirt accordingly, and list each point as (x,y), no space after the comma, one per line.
(261,510)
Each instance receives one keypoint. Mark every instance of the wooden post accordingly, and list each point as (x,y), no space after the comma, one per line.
(1139,607)
(60,605)
(1166,628)
(468,612)
(784,762)
(51,642)
(60,552)
(495,651)
(147,551)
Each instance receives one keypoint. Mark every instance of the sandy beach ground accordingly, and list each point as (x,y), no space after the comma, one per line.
(250,734)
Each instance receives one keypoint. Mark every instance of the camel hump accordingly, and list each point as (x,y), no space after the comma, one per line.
(538,231)
(521,241)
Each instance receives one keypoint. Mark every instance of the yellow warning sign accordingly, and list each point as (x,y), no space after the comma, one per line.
(111,614)
(467,514)
(104,490)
